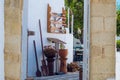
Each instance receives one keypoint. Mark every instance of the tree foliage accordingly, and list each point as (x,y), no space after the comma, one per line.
(118,22)
(118,43)
(76,7)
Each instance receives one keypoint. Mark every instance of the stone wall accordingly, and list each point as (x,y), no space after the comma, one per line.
(12,51)
(102,39)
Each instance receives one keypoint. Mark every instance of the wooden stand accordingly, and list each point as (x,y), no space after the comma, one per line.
(57,42)
(50,62)
(63,65)
(80,74)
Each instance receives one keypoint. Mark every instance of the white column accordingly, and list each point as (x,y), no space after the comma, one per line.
(1,39)
(86,40)
(68,18)
(24,39)
(72,23)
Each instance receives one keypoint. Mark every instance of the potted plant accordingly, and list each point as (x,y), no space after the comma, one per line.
(63,54)
(50,53)
(62,51)
(73,67)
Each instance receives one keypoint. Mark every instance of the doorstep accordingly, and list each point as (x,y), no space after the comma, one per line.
(68,76)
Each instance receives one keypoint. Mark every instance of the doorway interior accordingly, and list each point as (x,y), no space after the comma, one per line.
(84,30)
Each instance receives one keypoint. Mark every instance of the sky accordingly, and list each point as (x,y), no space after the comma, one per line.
(118,1)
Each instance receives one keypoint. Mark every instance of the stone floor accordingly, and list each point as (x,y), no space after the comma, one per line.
(68,76)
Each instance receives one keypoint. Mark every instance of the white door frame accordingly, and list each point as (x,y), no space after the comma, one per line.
(86,53)
(1,39)
(24,39)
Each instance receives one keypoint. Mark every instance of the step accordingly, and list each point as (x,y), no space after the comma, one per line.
(68,76)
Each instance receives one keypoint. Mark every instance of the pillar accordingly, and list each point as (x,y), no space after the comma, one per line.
(102,39)
(12,50)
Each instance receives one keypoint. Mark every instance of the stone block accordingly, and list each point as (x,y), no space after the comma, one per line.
(12,66)
(103,10)
(12,3)
(96,51)
(108,38)
(12,57)
(12,15)
(103,38)
(103,1)
(7,3)
(13,43)
(12,29)
(12,70)
(110,24)
(110,51)
(96,39)
(97,24)
(102,68)
(11,78)
(99,64)
(101,76)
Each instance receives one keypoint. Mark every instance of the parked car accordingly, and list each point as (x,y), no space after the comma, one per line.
(78,55)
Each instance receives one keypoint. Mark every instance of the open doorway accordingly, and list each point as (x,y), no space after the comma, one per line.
(32,13)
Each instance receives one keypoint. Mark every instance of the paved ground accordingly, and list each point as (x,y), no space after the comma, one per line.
(68,76)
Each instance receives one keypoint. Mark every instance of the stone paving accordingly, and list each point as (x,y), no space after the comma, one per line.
(68,76)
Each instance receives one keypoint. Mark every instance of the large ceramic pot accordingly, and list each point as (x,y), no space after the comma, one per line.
(63,53)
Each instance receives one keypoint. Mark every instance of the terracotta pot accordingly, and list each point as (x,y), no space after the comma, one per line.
(63,53)
(63,65)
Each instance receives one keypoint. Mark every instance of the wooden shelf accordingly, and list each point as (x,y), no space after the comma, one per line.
(60,20)
(55,40)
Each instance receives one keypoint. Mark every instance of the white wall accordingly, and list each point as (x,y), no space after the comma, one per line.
(37,9)
(1,39)
(117,65)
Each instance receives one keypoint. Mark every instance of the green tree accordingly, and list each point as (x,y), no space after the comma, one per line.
(77,9)
(118,43)
(118,22)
